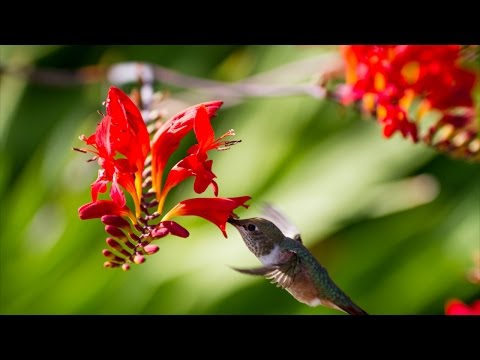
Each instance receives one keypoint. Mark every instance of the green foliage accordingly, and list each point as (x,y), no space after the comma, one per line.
(395,223)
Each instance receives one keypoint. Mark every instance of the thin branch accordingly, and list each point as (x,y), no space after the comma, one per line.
(259,85)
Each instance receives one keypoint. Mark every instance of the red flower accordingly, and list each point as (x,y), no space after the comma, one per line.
(215,210)
(129,128)
(388,78)
(121,145)
(168,137)
(457,307)
(119,129)
(197,163)
(395,118)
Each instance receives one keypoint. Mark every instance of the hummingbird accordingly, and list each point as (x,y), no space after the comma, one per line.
(277,243)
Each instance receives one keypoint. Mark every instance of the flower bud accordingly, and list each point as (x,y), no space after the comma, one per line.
(175,229)
(151,249)
(109,264)
(109,255)
(115,232)
(114,244)
(117,221)
(159,232)
(139,259)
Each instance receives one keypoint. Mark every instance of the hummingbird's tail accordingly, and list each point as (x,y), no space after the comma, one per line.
(352,309)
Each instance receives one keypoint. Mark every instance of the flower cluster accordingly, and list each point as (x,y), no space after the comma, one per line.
(387,81)
(131,162)
(457,307)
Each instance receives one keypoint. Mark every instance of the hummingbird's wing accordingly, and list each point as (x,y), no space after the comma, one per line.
(282,274)
(286,226)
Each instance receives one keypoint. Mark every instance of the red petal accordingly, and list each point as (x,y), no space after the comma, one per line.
(176,175)
(122,109)
(90,140)
(204,177)
(116,194)
(97,209)
(102,138)
(215,210)
(203,129)
(202,170)
(180,172)
(168,137)
(189,166)
(98,186)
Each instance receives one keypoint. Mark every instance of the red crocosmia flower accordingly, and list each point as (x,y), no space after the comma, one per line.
(99,208)
(387,78)
(440,79)
(119,129)
(215,210)
(457,307)
(168,137)
(121,145)
(205,135)
(367,68)
(197,163)
(128,128)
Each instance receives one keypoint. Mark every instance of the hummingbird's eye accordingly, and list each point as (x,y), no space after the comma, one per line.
(251,227)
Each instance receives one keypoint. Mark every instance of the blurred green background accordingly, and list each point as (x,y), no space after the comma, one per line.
(396,224)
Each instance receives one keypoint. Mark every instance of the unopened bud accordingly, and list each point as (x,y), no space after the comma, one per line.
(116,220)
(114,244)
(109,255)
(159,232)
(115,232)
(151,249)
(125,267)
(139,259)
(134,237)
(109,264)
(149,194)
(175,229)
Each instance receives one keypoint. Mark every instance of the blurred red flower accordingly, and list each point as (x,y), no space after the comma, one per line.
(386,79)
(457,307)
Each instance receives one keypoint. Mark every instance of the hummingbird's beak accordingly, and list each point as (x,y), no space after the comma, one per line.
(232,221)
